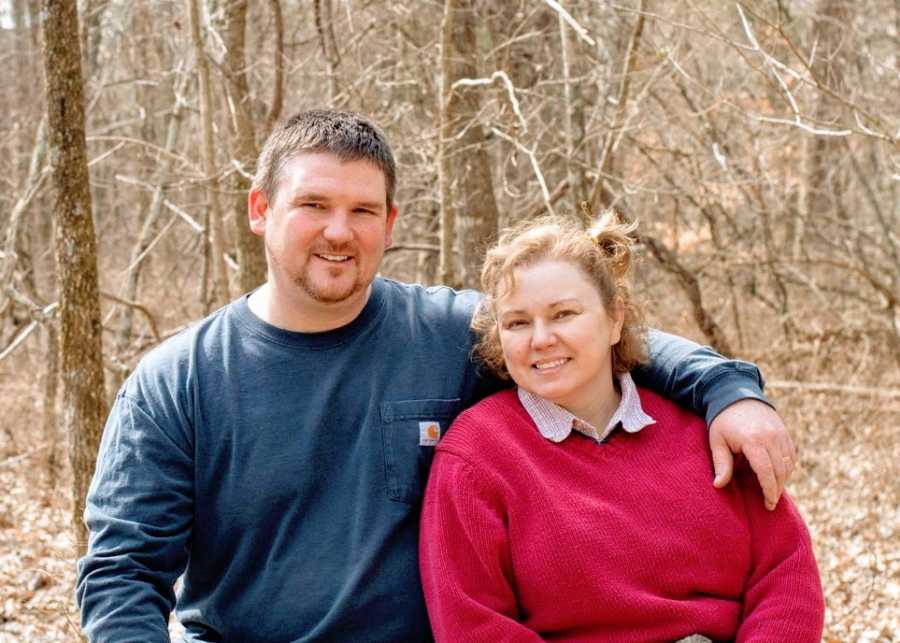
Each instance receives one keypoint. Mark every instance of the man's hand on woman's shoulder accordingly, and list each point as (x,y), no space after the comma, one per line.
(755,429)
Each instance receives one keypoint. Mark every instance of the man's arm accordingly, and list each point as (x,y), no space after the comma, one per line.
(139,513)
(728,393)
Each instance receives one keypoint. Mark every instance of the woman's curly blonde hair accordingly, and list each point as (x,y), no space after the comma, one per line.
(603,252)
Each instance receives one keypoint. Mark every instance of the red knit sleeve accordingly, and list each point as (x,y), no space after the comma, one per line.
(464,557)
(783,598)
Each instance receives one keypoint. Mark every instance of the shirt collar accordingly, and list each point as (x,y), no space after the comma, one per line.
(556,423)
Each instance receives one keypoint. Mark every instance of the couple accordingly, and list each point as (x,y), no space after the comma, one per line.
(275,454)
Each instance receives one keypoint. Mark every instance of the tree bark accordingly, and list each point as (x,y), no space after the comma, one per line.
(824,153)
(277,70)
(251,257)
(601,196)
(50,416)
(573,119)
(325,30)
(81,349)
(469,213)
(92,34)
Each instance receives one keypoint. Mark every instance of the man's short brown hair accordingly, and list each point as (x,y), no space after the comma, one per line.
(347,135)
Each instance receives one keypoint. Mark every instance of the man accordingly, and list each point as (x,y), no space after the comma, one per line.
(277,451)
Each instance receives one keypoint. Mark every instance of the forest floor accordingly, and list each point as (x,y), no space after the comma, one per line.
(847,485)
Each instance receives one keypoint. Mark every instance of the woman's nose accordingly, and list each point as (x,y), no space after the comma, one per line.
(542,335)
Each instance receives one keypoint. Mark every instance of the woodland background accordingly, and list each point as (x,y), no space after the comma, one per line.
(757,143)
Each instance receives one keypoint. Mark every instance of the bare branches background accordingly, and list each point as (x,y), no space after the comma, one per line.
(757,143)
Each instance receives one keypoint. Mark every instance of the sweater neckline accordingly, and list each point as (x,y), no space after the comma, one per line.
(368,317)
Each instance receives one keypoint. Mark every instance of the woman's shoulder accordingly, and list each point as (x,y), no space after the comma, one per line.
(485,427)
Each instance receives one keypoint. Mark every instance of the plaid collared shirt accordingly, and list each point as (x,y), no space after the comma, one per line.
(556,423)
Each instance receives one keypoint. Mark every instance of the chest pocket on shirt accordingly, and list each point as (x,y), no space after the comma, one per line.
(405,425)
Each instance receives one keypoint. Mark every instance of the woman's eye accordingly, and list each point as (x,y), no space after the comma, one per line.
(562,314)
(516,323)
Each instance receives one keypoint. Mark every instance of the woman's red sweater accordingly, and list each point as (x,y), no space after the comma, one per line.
(525,540)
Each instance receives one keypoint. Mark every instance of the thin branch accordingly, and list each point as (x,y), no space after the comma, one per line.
(412,246)
(38,317)
(534,165)
(150,246)
(555,196)
(151,320)
(565,15)
(842,389)
(510,90)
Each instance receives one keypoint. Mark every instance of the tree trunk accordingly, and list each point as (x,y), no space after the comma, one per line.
(277,69)
(573,119)
(601,196)
(824,153)
(219,294)
(469,212)
(92,34)
(251,258)
(325,30)
(50,416)
(81,349)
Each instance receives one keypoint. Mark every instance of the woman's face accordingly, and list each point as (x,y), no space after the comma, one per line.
(556,334)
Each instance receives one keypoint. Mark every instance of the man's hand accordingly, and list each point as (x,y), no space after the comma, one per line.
(756,430)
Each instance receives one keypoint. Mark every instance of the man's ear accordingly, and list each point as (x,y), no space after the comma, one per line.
(257,211)
(389,227)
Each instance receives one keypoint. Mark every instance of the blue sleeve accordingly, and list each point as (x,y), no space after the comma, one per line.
(139,513)
(696,376)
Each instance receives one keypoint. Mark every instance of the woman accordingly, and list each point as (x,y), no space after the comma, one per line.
(575,507)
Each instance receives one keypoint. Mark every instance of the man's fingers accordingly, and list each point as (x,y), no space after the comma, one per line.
(723,460)
(783,465)
(788,456)
(784,459)
(761,463)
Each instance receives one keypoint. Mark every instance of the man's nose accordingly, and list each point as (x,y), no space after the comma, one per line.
(337,230)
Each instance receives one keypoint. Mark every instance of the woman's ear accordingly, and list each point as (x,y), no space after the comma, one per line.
(617,316)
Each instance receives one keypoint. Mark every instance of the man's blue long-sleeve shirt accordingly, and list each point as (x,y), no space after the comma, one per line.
(282,472)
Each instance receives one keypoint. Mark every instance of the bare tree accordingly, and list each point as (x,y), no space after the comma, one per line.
(81,349)
(469,212)
(215,228)
(251,258)
(328,43)
(277,103)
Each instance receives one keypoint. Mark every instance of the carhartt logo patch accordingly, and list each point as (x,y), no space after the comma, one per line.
(429,433)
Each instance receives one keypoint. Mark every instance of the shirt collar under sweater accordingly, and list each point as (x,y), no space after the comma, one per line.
(556,423)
